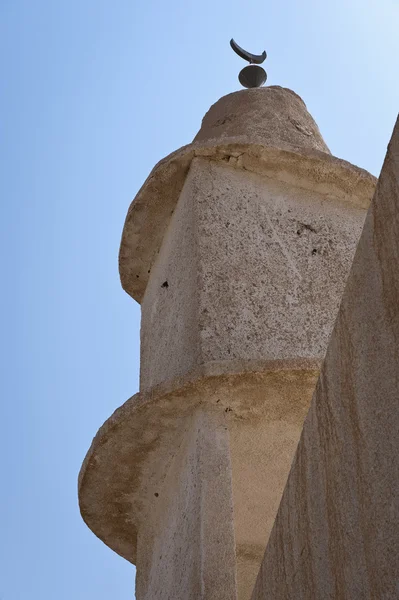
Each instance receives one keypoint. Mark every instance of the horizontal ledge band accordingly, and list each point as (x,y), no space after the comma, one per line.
(150,213)
(123,462)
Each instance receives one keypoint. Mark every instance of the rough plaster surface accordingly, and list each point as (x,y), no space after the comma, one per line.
(261,450)
(135,453)
(272,146)
(274,259)
(337,530)
(250,268)
(169,318)
(273,116)
(186,542)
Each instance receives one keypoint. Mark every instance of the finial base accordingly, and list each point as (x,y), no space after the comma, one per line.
(252,76)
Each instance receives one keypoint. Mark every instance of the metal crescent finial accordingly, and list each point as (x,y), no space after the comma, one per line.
(253,59)
(251,76)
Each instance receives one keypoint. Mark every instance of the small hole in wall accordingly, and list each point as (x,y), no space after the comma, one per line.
(156,494)
(137,276)
(165,284)
(314,251)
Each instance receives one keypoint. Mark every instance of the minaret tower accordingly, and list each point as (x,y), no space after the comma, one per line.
(237,247)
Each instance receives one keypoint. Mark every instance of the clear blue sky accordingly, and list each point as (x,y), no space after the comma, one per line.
(93,94)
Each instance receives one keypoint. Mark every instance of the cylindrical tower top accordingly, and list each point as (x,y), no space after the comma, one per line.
(272,116)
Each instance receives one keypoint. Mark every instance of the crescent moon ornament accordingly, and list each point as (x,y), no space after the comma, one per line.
(253,59)
(252,75)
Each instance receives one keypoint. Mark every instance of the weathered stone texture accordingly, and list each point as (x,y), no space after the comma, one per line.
(249,269)
(273,116)
(336,534)
(169,319)
(135,453)
(186,541)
